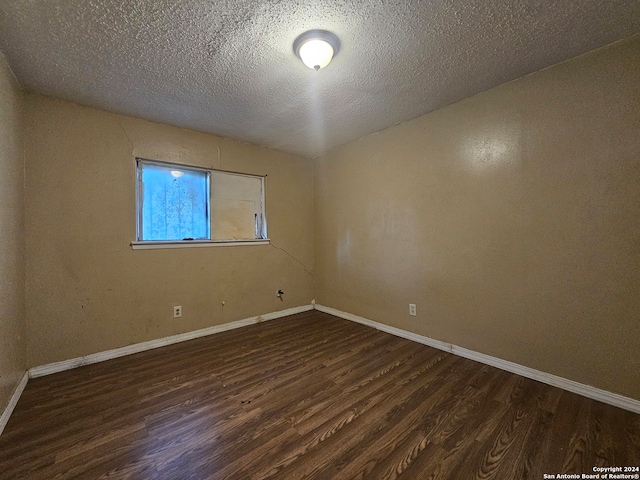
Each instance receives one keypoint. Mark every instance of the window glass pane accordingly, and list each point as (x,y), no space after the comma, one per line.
(174,203)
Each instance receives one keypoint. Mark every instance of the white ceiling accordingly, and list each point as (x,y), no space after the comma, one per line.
(228,67)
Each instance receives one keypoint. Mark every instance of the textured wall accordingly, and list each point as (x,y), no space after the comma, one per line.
(88,291)
(12,310)
(510,218)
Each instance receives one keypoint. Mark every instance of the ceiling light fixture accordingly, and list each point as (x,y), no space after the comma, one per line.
(316,48)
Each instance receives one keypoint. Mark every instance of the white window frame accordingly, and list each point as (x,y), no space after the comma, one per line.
(139,244)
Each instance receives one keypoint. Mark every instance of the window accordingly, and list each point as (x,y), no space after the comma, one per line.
(178,203)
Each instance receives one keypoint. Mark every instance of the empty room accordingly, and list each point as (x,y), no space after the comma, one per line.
(312,239)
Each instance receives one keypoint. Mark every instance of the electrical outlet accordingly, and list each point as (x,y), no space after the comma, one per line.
(177,311)
(412,309)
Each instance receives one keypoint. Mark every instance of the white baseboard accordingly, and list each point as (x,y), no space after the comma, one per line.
(56,367)
(13,401)
(588,391)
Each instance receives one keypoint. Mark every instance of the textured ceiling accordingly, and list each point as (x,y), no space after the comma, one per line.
(227,66)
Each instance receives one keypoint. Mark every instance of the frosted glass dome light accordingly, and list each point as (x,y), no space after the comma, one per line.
(316,48)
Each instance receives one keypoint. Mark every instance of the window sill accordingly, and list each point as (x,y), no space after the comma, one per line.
(196,244)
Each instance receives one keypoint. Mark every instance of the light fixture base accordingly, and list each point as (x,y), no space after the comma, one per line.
(316,36)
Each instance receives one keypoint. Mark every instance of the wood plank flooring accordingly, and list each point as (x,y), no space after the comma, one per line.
(307,396)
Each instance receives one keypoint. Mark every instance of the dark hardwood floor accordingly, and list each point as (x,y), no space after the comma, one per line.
(307,396)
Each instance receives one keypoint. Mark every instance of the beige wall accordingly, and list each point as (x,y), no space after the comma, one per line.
(88,291)
(512,220)
(12,310)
